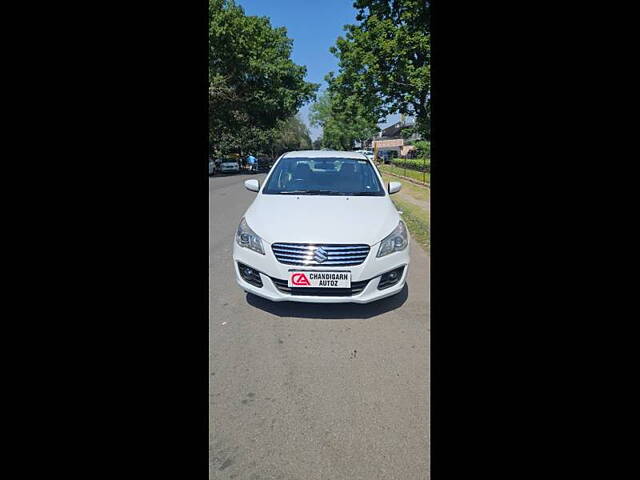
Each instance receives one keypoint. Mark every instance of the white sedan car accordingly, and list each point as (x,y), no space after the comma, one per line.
(322,229)
(229,166)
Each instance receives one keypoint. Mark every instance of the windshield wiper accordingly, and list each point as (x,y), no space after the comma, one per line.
(365,194)
(312,192)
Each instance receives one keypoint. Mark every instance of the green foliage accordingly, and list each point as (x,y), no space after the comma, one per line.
(423,148)
(253,83)
(291,134)
(419,164)
(384,61)
(343,120)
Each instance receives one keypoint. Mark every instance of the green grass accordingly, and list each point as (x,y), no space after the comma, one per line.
(415,216)
(416,191)
(416,219)
(405,172)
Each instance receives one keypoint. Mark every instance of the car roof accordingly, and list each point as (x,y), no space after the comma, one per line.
(323,154)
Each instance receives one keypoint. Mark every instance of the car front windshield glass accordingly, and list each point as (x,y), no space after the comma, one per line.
(324,176)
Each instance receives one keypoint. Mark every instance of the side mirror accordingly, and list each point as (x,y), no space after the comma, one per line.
(393,187)
(253,185)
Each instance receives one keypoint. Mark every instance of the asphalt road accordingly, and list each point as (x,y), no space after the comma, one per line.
(312,391)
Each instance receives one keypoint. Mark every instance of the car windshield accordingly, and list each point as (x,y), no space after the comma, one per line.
(324,176)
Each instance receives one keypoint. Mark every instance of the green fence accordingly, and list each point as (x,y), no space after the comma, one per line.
(416,168)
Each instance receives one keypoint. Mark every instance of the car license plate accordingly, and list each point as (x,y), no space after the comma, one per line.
(306,278)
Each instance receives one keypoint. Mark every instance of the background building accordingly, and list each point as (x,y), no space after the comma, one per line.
(394,140)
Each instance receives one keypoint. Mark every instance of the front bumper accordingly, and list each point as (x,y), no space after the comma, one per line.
(371,269)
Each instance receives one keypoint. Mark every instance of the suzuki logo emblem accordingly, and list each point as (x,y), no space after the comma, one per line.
(320,255)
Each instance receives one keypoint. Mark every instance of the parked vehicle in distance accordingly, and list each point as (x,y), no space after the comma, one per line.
(385,156)
(212,166)
(229,166)
(322,229)
(260,166)
(366,153)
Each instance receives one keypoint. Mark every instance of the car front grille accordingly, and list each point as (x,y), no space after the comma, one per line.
(356,288)
(311,254)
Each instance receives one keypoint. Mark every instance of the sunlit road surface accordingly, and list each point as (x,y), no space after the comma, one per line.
(313,391)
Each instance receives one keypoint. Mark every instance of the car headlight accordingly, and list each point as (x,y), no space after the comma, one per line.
(247,238)
(395,241)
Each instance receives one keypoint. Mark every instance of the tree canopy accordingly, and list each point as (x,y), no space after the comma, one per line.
(290,134)
(253,83)
(344,120)
(384,61)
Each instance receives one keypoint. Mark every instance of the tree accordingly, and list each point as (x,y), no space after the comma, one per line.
(253,83)
(291,134)
(423,149)
(344,120)
(384,61)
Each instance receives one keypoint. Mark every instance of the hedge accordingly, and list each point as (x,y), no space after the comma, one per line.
(419,164)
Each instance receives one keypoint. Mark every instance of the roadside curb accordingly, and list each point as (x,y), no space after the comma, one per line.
(408,179)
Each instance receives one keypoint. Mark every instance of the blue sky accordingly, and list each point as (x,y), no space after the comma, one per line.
(314,26)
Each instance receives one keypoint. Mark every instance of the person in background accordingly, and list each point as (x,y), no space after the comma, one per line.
(252,162)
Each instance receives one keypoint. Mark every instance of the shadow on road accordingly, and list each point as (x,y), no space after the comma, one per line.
(330,310)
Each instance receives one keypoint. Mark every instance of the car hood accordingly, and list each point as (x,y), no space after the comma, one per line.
(322,219)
